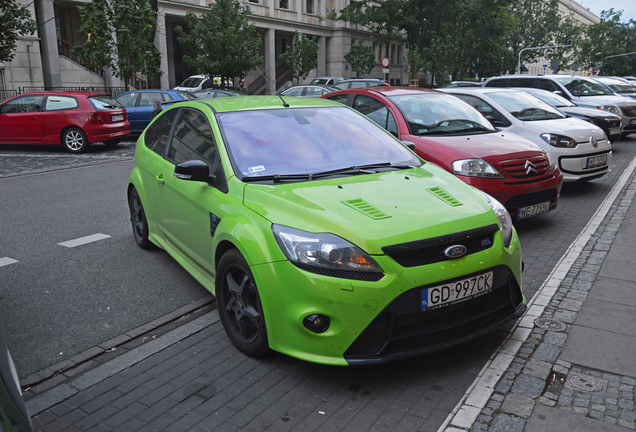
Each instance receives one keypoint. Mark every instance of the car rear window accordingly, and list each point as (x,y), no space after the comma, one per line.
(104,103)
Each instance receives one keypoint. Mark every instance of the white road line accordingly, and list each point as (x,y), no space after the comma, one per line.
(6,261)
(84,240)
(477,395)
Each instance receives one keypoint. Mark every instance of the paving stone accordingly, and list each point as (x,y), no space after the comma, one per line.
(537,368)
(547,352)
(548,402)
(506,423)
(626,404)
(528,386)
(518,405)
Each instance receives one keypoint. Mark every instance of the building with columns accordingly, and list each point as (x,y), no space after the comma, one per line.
(45,59)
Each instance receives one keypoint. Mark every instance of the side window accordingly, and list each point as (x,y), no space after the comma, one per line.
(149,98)
(166,96)
(357,84)
(208,83)
(157,134)
(221,94)
(295,92)
(546,85)
(314,91)
(56,103)
(521,82)
(23,104)
(487,110)
(342,98)
(374,109)
(192,139)
(497,83)
(128,100)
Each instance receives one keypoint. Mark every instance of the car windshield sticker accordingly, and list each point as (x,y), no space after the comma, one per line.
(256,169)
(214,222)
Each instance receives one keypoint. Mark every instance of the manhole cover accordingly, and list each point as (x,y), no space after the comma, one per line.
(585,383)
(549,324)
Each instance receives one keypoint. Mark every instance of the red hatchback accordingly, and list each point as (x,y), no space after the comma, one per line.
(72,119)
(452,134)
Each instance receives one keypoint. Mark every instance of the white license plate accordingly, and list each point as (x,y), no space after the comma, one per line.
(632,121)
(594,162)
(532,210)
(118,117)
(443,295)
(615,130)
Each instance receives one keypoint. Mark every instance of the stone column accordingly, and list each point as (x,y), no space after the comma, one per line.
(50,55)
(161,43)
(321,68)
(270,60)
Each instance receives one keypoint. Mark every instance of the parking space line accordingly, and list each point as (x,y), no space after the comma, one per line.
(6,261)
(84,240)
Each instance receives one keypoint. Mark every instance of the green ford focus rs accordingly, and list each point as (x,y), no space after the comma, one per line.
(321,235)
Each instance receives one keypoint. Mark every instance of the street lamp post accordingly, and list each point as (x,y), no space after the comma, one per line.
(600,68)
(569,44)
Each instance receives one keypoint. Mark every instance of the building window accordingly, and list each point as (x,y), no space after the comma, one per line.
(310,7)
(1,79)
(284,4)
(253,1)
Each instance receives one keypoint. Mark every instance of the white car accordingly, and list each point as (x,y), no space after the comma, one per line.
(201,82)
(581,149)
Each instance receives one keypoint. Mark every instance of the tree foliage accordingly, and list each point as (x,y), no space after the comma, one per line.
(15,20)
(302,58)
(605,39)
(221,42)
(361,58)
(119,35)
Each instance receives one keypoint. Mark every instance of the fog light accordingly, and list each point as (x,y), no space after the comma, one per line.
(316,323)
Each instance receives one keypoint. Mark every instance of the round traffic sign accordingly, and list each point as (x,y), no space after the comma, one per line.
(385,62)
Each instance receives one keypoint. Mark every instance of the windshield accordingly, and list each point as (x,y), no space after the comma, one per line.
(319,81)
(583,87)
(623,88)
(297,141)
(191,82)
(553,99)
(440,114)
(526,107)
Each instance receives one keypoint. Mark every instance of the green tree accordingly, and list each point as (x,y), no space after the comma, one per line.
(361,58)
(302,58)
(15,20)
(221,42)
(119,35)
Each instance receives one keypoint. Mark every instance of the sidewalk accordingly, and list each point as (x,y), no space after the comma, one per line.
(570,365)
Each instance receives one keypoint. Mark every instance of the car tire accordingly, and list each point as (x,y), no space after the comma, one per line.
(239,305)
(74,140)
(139,221)
(112,143)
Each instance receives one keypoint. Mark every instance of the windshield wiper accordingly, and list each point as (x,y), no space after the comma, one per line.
(276,178)
(356,169)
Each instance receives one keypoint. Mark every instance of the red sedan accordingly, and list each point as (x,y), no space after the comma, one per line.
(72,119)
(454,135)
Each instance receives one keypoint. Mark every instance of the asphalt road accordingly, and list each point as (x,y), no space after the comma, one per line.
(58,301)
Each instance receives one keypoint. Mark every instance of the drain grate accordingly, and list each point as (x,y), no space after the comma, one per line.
(585,383)
(550,324)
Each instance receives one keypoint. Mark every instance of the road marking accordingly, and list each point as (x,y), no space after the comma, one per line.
(6,261)
(84,240)
(474,400)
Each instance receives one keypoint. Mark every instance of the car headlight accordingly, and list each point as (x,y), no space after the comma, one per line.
(324,251)
(475,168)
(551,162)
(557,140)
(504,219)
(610,108)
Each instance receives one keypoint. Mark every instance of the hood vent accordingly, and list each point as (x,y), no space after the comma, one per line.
(444,196)
(366,209)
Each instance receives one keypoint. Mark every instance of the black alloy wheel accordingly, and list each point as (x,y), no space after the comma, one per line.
(239,305)
(138,220)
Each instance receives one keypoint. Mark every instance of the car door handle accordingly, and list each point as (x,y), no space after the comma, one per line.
(33,118)
(159,179)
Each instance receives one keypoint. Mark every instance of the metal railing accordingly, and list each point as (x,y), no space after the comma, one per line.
(6,94)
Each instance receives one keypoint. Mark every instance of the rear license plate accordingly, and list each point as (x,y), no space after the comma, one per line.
(594,162)
(118,117)
(532,210)
(615,130)
(633,121)
(443,295)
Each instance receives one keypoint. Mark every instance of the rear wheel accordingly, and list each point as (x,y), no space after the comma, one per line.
(138,220)
(239,305)
(74,140)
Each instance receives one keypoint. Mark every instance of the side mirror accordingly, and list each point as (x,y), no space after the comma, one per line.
(409,144)
(194,170)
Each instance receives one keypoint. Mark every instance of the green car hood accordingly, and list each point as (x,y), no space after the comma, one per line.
(375,210)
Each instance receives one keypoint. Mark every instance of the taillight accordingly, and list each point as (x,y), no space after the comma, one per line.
(95,118)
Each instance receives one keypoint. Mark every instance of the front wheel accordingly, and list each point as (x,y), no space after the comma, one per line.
(239,305)
(74,140)
(139,221)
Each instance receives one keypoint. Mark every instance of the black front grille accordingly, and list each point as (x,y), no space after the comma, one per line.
(530,199)
(403,329)
(629,112)
(429,251)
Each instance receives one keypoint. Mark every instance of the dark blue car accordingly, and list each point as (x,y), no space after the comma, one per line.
(139,105)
